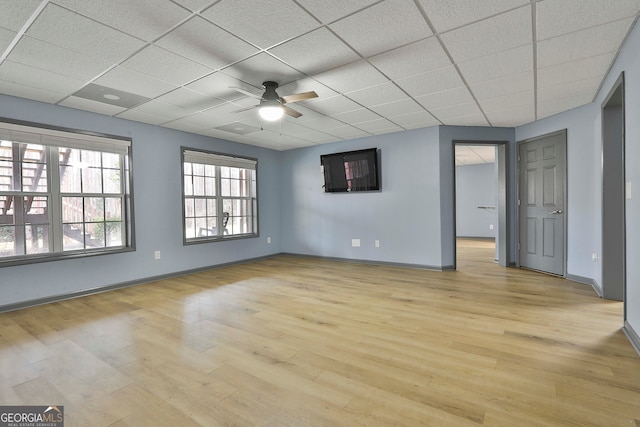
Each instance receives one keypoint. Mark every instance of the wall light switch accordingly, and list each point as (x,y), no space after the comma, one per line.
(269,240)
(355,243)
(157,254)
(490,226)
(628,190)
(377,243)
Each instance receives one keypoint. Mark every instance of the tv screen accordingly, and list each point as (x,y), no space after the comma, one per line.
(351,171)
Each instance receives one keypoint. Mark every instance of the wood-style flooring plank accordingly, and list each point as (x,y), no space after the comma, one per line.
(297,341)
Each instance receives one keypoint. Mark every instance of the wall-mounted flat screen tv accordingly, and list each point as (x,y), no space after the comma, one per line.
(351,171)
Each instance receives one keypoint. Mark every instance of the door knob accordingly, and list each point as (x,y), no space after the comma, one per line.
(556,212)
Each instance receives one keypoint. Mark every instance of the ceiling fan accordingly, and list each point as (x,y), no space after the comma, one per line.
(272,106)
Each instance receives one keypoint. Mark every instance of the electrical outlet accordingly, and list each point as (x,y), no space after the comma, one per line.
(490,226)
(594,257)
(157,254)
(355,243)
(269,240)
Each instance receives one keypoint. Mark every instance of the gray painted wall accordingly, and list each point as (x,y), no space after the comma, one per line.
(404,216)
(628,61)
(157,204)
(584,156)
(476,185)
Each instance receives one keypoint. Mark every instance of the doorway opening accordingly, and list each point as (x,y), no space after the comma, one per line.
(480,202)
(613,195)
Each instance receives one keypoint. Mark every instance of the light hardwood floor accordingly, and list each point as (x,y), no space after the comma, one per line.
(294,341)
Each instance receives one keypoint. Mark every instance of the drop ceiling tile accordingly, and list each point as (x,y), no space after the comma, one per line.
(15,89)
(445,98)
(375,29)
(595,66)
(315,52)
(162,109)
(164,65)
(195,5)
(554,106)
(330,10)
(89,105)
(376,95)
(263,24)
(397,108)
(323,123)
(333,105)
(288,126)
(378,126)
(587,87)
(361,115)
(146,19)
(39,79)
(317,137)
(502,32)
(218,85)
(260,68)
(193,40)
(446,15)
(419,119)
(350,77)
(503,86)
(39,54)
(445,113)
(416,58)
(13,14)
(433,81)
(513,116)
(347,132)
(142,117)
(130,81)
(307,85)
(583,44)
(498,65)
(6,37)
(74,32)
(194,123)
(470,120)
(506,102)
(190,100)
(557,17)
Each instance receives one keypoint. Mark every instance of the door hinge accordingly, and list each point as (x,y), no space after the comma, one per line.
(518,202)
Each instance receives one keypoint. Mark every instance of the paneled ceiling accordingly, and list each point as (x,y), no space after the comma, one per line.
(378,66)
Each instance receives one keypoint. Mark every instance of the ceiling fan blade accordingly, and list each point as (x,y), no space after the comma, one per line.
(245,92)
(291,112)
(245,109)
(299,97)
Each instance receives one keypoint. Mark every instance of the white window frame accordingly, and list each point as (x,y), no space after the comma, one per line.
(212,226)
(52,139)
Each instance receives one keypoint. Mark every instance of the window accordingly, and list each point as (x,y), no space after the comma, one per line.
(220,199)
(61,193)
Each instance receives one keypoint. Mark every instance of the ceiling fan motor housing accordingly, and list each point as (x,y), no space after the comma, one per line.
(270,92)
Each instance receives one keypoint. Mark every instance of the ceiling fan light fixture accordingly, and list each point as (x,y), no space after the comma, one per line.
(271,111)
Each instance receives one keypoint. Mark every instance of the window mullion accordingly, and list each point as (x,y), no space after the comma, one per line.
(55,210)
(219,207)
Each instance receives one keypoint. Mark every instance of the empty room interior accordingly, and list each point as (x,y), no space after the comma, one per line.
(320,213)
